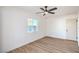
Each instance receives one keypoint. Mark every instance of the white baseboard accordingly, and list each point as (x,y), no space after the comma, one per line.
(26,43)
(61,37)
(56,36)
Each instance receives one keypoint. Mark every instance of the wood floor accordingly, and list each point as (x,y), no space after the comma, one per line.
(49,45)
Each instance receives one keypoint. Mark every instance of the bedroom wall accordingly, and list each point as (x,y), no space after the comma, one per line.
(0,32)
(78,29)
(14,28)
(56,27)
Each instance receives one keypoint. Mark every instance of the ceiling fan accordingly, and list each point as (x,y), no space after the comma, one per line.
(46,11)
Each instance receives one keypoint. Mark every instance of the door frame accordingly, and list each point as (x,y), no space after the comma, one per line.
(76,38)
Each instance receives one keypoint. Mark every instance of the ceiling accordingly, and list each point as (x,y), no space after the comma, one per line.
(62,10)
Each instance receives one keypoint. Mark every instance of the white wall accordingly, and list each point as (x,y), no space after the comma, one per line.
(0,32)
(78,29)
(56,27)
(14,28)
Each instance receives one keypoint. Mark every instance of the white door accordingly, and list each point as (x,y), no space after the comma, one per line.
(71,28)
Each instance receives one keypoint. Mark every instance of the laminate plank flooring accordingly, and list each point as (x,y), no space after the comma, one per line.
(49,45)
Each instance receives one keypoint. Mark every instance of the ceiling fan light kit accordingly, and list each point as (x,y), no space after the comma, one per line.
(46,12)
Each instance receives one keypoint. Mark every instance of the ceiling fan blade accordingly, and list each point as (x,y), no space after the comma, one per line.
(39,12)
(52,9)
(44,14)
(51,12)
(42,9)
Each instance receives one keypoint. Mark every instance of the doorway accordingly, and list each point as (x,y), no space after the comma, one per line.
(71,28)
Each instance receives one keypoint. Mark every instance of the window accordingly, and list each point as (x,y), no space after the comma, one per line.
(32,25)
